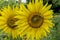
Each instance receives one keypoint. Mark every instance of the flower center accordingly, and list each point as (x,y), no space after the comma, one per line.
(35,20)
(11,21)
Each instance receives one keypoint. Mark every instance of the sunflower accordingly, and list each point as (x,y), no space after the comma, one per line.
(35,19)
(7,20)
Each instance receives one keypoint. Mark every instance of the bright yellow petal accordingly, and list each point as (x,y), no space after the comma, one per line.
(36,1)
(32,1)
(1,27)
(50,12)
(43,9)
(30,7)
(22,7)
(47,8)
(48,17)
(2,18)
(49,22)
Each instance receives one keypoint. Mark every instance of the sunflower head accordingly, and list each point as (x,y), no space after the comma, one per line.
(7,20)
(35,20)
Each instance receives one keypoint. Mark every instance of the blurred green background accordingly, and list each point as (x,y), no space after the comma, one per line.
(55,31)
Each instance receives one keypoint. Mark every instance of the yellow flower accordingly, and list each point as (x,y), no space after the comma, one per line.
(7,21)
(35,19)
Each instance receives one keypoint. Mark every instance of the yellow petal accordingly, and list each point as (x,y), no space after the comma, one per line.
(36,1)
(33,1)
(1,27)
(43,9)
(24,29)
(46,28)
(49,22)
(47,8)
(5,11)
(2,18)
(2,23)
(50,12)
(48,17)
(22,7)
(38,35)
(31,7)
